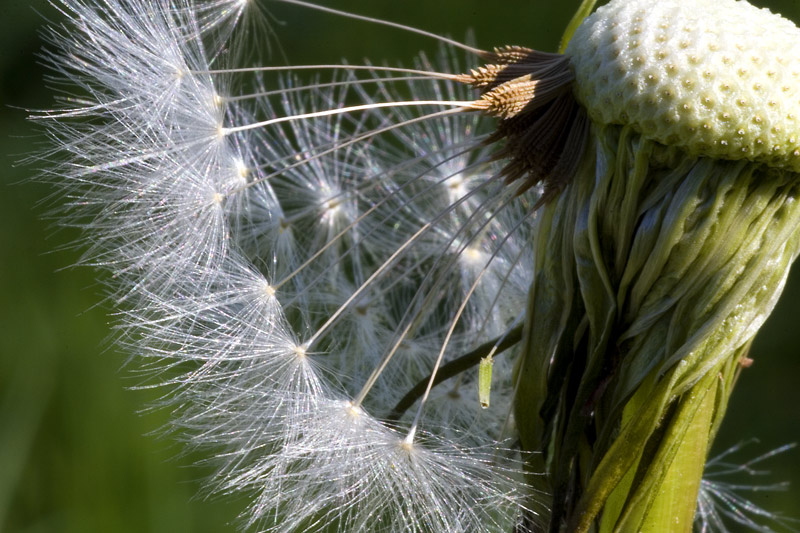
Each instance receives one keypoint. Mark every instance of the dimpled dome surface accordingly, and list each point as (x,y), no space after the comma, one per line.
(719,78)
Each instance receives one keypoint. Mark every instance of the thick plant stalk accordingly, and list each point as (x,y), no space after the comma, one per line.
(653,272)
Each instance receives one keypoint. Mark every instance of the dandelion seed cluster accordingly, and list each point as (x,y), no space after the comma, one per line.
(291,254)
(288,281)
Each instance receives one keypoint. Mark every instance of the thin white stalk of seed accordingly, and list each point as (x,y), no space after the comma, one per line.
(466,104)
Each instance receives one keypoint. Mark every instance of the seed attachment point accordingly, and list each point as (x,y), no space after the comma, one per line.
(542,125)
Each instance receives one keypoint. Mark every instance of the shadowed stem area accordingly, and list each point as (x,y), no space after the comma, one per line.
(654,270)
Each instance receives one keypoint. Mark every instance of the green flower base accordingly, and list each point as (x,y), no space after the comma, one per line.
(654,271)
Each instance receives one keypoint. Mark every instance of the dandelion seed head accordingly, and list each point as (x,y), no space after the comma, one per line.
(288,272)
(291,255)
(378,480)
(746,55)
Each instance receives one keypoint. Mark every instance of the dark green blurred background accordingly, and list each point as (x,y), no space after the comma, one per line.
(76,454)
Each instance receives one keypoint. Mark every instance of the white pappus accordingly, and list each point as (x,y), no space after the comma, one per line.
(290,259)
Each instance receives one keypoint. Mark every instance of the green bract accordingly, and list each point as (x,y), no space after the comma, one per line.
(654,270)
(662,253)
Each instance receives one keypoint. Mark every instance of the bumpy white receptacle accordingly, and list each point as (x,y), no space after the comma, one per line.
(720,78)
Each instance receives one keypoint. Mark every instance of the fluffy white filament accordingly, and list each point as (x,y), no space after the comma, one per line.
(288,268)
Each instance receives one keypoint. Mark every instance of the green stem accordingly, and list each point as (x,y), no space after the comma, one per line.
(668,492)
(583,12)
